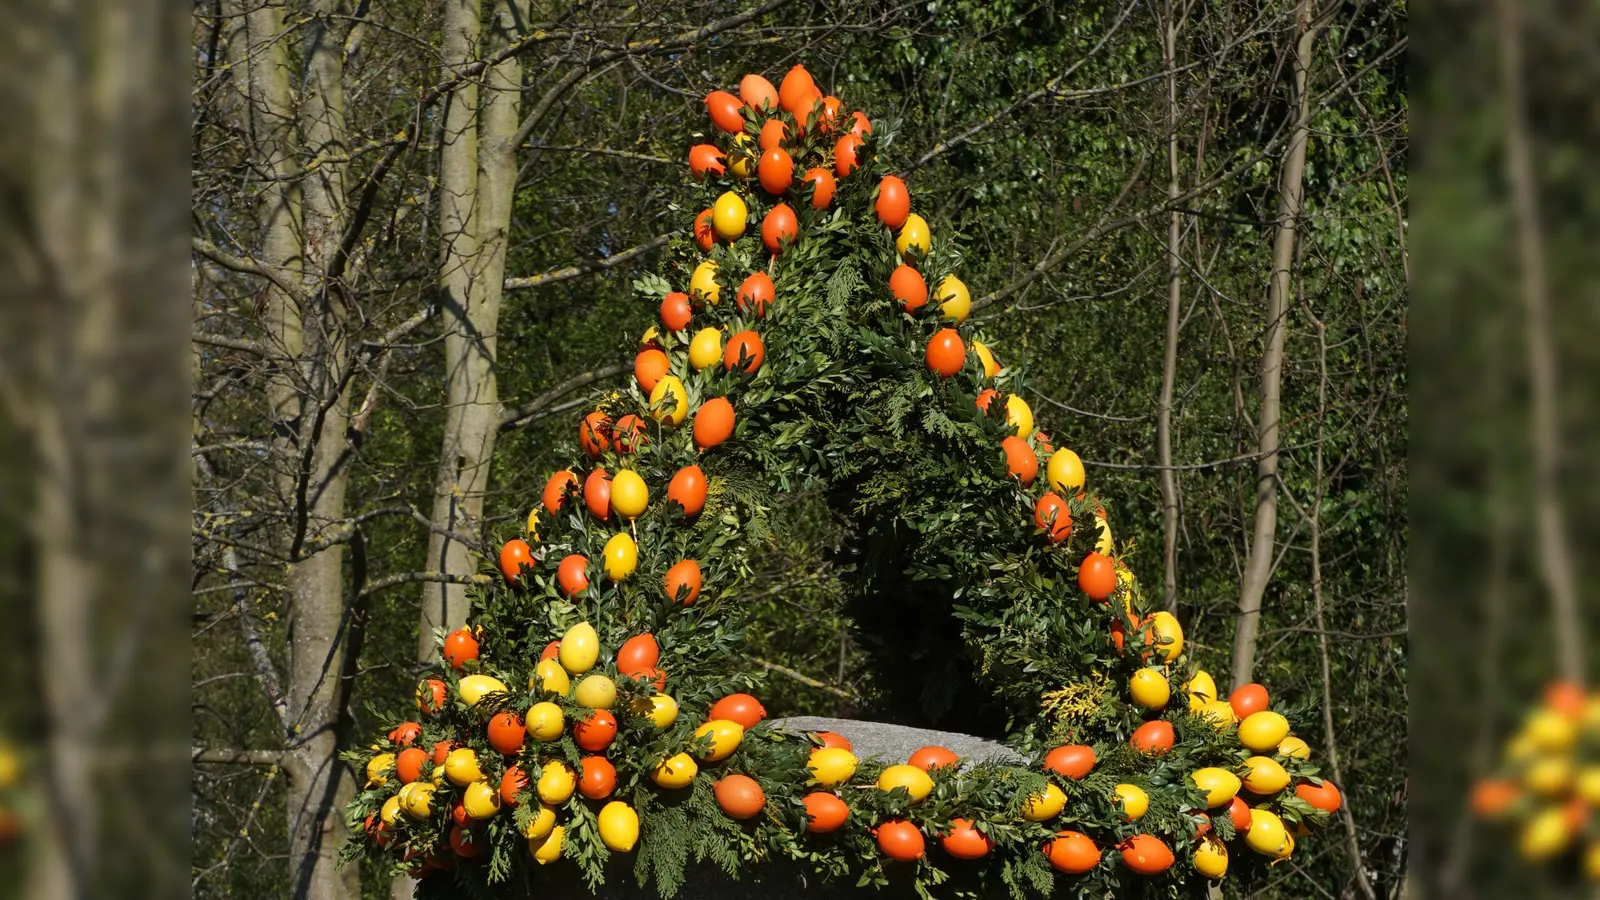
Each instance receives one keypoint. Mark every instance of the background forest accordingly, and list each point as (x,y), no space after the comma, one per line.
(415,227)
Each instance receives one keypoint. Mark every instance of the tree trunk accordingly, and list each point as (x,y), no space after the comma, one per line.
(1169,358)
(466,355)
(269,118)
(92,267)
(1258,563)
(1329,741)
(319,785)
(301,221)
(1555,547)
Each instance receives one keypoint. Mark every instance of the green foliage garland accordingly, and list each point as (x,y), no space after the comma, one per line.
(944,563)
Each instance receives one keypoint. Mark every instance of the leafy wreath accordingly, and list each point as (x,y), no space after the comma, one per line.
(587,712)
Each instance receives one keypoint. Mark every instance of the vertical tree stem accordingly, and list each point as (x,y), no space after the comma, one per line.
(1258,564)
(1555,551)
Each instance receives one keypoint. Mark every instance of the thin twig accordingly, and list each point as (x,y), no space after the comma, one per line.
(567,273)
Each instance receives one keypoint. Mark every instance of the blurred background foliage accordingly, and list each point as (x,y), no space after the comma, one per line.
(1482,579)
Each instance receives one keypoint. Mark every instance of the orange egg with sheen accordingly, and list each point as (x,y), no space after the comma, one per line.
(757,92)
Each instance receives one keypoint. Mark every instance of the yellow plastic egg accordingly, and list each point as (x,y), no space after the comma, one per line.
(726,736)
(728,216)
(1168,635)
(629,494)
(545,721)
(914,236)
(461,767)
(1587,785)
(706,348)
(831,766)
(1200,688)
(1211,858)
(1220,712)
(1134,801)
(619,826)
(1066,474)
(1265,776)
(1262,731)
(550,678)
(542,823)
(1549,775)
(990,367)
(703,283)
(1591,862)
(1045,806)
(548,849)
(1020,415)
(416,799)
(580,647)
(377,767)
(556,783)
(1550,730)
(1545,835)
(1220,785)
(676,771)
(916,782)
(1150,688)
(475,687)
(669,402)
(955,301)
(622,557)
(480,799)
(663,710)
(1267,835)
(1294,748)
(597,691)
(742,161)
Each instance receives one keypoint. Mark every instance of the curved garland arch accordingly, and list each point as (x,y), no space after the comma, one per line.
(571,721)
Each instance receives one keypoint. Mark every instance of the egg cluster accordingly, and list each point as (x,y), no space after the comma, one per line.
(568,703)
(624,725)
(10,821)
(1547,783)
(529,769)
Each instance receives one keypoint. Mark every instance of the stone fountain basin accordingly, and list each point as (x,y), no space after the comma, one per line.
(896,743)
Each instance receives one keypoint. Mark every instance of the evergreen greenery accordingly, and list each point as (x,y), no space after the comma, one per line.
(951,583)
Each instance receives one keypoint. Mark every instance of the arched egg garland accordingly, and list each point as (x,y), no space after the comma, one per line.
(813,334)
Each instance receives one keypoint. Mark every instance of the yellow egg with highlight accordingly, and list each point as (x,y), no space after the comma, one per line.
(596,691)
(706,348)
(580,648)
(1065,471)
(629,494)
(990,367)
(703,283)
(955,301)
(622,556)
(1020,415)
(914,236)
(728,216)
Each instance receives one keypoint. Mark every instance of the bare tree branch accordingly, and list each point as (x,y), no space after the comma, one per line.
(1049,88)
(247,267)
(567,273)
(518,416)
(216,340)
(235,757)
(801,677)
(389,581)
(1555,550)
